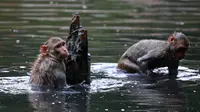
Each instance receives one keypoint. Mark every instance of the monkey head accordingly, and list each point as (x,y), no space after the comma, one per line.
(55,47)
(179,44)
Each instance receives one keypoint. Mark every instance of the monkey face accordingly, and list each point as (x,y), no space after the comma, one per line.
(61,49)
(181,48)
(179,55)
(55,47)
(180,44)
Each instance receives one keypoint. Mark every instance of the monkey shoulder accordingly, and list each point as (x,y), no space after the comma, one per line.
(49,65)
(152,43)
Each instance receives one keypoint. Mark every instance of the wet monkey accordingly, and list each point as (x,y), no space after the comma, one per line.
(49,69)
(145,55)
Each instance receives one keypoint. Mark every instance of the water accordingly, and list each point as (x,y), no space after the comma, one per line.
(113,26)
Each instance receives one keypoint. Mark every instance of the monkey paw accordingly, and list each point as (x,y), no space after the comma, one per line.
(139,60)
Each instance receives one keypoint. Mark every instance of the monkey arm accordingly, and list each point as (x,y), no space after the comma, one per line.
(173,70)
(60,75)
(52,74)
(151,55)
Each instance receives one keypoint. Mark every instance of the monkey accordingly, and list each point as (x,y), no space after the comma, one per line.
(148,54)
(49,69)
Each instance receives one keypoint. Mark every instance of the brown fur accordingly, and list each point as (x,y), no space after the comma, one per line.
(48,70)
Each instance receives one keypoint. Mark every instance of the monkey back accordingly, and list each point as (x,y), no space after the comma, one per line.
(142,47)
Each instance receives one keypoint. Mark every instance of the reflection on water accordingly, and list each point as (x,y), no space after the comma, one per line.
(59,102)
(113,26)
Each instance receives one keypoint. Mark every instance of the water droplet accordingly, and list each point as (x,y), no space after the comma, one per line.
(51,2)
(53,103)
(59,102)
(17,41)
(15,30)
(5,71)
(122,110)
(194,91)
(22,67)
(84,7)
(106,109)
(180,23)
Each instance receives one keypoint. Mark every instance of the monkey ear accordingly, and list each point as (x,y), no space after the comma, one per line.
(171,39)
(43,49)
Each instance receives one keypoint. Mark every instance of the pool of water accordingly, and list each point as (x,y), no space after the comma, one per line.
(113,26)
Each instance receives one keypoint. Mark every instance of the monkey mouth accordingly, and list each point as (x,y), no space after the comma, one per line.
(64,55)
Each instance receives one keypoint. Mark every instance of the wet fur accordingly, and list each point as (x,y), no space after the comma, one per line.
(146,55)
(43,71)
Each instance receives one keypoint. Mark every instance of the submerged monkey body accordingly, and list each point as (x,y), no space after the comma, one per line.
(49,68)
(48,72)
(146,55)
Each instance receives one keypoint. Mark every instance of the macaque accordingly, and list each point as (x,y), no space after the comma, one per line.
(49,68)
(146,55)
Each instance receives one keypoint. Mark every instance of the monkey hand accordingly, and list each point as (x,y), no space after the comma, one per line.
(139,60)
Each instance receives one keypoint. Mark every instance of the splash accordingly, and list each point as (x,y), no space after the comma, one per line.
(105,77)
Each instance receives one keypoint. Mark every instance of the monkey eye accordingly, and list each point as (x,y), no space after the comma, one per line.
(63,43)
(60,45)
(181,49)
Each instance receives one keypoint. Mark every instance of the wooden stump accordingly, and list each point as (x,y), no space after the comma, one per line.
(78,62)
